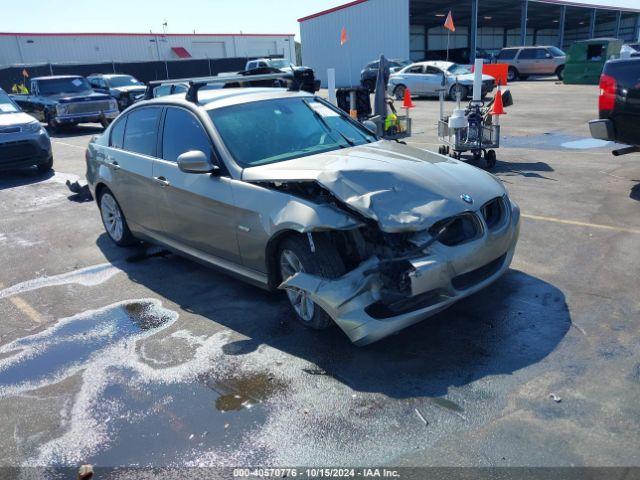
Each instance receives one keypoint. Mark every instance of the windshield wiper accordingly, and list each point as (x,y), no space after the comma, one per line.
(327,126)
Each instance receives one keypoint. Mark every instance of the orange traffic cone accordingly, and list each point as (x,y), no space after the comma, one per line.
(497,108)
(407,99)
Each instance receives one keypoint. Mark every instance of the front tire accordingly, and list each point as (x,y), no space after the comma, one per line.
(512,74)
(295,256)
(560,72)
(399,92)
(453,91)
(113,220)
(370,85)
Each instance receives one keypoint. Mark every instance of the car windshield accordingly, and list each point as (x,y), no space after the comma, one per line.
(54,86)
(556,52)
(280,63)
(456,69)
(273,131)
(123,81)
(7,105)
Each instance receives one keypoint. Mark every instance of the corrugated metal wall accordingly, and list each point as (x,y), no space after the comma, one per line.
(33,49)
(373,27)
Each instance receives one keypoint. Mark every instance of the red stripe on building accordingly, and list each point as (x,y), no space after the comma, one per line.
(331,10)
(103,34)
(181,52)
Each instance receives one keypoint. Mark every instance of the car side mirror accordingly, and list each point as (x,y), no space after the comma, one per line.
(371,126)
(196,161)
(548,55)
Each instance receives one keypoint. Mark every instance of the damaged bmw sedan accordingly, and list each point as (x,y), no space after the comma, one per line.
(283,190)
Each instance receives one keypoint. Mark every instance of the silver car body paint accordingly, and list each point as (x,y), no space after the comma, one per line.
(427,83)
(30,142)
(232,221)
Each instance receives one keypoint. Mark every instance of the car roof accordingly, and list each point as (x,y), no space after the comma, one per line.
(109,75)
(441,64)
(224,97)
(57,77)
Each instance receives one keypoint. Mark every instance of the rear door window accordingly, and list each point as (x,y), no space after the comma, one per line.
(182,133)
(117,133)
(507,54)
(527,54)
(141,131)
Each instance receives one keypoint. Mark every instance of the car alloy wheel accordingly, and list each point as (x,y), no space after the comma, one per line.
(112,217)
(303,305)
(399,92)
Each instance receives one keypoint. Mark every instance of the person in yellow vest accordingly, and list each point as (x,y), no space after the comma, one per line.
(20,89)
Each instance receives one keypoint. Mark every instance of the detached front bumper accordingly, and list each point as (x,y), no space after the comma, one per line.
(439,279)
(602,129)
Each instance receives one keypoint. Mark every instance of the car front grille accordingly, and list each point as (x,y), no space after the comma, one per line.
(474,277)
(88,107)
(494,213)
(11,151)
(16,129)
(457,230)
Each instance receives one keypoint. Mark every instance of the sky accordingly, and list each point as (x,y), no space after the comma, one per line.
(203,16)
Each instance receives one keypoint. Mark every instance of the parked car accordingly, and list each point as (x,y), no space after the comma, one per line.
(369,74)
(526,61)
(23,140)
(124,88)
(284,190)
(426,79)
(630,50)
(66,100)
(281,64)
(619,104)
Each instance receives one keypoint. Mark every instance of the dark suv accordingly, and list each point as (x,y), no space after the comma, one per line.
(124,88)
(525,61)
(370,72)
(619,105)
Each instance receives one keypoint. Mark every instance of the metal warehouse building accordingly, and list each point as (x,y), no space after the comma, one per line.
(84,48)
(413,29)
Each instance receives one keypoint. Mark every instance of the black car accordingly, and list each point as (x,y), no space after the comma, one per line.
(124,88)
(619,105)
(369,74)
(66,100)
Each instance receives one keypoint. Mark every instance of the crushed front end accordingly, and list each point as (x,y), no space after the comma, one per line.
(398,279)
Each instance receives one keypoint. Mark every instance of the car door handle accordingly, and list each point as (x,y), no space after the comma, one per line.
(162,181)
(115,165)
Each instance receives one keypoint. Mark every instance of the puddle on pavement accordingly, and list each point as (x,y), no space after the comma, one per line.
(127,411)
(553,141)
(87,277)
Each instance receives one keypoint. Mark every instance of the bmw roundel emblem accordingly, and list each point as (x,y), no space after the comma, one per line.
(467,198)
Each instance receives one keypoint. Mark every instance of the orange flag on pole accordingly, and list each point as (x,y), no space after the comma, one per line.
(448,23)
(343,36)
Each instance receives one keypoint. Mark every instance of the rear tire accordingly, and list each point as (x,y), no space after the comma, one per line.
(295,255)
(512,74)
(113,220)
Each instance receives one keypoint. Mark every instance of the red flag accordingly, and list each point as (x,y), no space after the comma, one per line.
(343,36)
(448,23)
(25,73)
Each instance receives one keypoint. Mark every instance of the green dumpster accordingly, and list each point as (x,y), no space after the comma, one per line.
(586,59)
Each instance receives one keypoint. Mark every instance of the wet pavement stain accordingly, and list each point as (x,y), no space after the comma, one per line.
(127,411)
(554,141)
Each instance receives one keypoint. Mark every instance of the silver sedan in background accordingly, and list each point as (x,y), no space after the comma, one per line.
(427,78)
(23,140)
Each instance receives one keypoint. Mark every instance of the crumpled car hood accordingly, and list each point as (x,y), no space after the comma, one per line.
(401,187)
